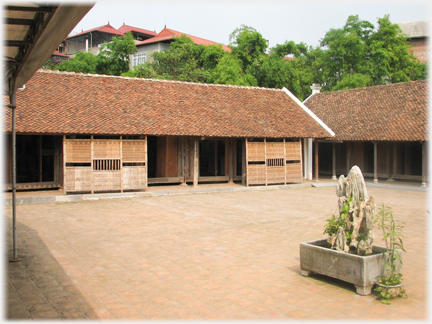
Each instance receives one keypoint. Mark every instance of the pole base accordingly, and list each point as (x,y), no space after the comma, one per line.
(15,260)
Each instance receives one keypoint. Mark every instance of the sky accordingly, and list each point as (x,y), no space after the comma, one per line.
(277,21)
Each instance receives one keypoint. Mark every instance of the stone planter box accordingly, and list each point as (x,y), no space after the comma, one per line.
(362,271)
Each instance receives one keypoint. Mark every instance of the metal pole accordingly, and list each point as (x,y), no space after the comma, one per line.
(12,100)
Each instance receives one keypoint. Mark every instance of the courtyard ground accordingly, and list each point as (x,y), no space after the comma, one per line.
(210,256)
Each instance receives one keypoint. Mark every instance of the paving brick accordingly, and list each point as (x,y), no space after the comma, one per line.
(216,256)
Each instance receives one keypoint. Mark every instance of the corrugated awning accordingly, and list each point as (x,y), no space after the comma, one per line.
(31,34)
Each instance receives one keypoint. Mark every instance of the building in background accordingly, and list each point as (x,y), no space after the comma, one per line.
(418,34)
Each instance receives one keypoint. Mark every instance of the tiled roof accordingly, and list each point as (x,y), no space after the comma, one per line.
(104,29)
(167,34)
(73,103)
(395,112)
(125,28)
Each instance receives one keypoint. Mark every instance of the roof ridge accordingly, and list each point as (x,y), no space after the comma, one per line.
(370,87)
(155,80)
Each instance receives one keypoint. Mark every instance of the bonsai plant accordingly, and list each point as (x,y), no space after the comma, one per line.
(389,284)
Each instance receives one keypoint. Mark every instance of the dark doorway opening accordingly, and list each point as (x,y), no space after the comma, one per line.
(211,158)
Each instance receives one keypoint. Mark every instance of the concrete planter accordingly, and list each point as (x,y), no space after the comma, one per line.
(362,271)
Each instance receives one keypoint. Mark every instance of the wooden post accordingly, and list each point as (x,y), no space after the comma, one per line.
(424,165)
(284,162)
(316,160)
(394,166)
(348,153)
(185,165)
(195,162)
(231,161)
(375,180)
(64,164)
(121,163)
(334,162)
(146,162)
(245,170)
(40,158)
(265,160)
(91,162)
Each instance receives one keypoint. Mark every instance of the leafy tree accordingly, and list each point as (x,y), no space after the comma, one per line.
(247,45)
(390,58)
(357,55)
(84,62)
(113,59)
(229,71)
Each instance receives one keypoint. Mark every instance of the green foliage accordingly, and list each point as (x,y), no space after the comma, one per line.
(112,60)
(229,71)
(393,238)
(333,223)
(247,45)
(83,62)
(357,55)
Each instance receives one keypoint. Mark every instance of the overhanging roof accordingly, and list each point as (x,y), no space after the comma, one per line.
(32,32)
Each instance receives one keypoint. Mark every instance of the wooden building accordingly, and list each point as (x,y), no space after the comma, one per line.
(382,129)
(94,133)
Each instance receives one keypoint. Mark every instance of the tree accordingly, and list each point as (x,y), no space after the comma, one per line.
(113,59)
(83,62)
(357,55)
(229,71)
(247,45)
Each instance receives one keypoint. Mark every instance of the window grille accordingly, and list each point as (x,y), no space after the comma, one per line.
(139,59)
(279,162)
(106,164)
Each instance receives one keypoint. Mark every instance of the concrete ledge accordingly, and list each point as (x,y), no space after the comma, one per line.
(186,191)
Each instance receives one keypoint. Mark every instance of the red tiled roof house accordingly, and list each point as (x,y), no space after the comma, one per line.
(92,133)
(162,42)
(382,129)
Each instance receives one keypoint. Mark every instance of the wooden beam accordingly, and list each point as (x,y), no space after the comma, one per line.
(18,21)
(195,162)
(316,160)
(424,165)
(334,162)
(245,174)
(375,180)
(30,9)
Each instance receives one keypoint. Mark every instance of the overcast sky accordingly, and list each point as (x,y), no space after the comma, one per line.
(277,21)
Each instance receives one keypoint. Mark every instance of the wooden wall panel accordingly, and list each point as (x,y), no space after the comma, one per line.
(275,175)
(106,180)
(293,151)
(134,177)
(78,179)
(293,172)
(256,173)
(106,149)
(78,151)
(256,151)
(134,150)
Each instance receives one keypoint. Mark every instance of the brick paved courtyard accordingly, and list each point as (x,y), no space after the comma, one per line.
(229,255)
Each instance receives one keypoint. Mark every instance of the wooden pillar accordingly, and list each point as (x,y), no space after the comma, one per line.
(40,158)
(64,164)
(184,159)
(245,170)
(91,163)
(195,162)
(394,165)
(375,180)
(334,162)
(424,165)
(146,161)
(316,160)
(231,160)
(284,162)
(265,160)
(348,153)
